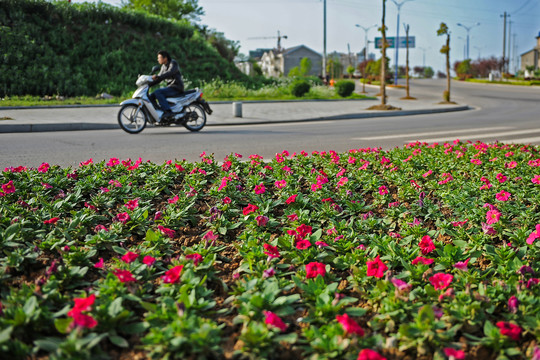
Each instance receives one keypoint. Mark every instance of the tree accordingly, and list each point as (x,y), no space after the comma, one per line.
(170,9)
(225,47)
(443,30)
(428,72)
(350,70)
(305,66)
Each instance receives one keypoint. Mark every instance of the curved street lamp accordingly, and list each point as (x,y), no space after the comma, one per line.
(468,28)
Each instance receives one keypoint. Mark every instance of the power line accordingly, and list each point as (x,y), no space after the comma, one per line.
(522,6)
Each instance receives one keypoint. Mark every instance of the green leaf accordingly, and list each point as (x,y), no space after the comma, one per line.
(115,307)
(135,328)
(222,230)
(123,251)
(48,344)
(62,325)
(11,231)
(30,306)
(316,236)
(5,334)
(288,338)
(118,341)
(356,311)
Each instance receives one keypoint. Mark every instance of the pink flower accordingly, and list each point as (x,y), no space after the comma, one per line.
(262,220)
(502,178)
(196,258)
(304,230)
(43,168)
(269,273)
(129,257)
(429,172)
(440,281)
(503,196)
(313,269)
(113,162)
(271,251)
(383,190)
(426,245)
(158,215)
(508,329)
(8,188)
(99,228)
(376,267)
(462,265)
(249,209)
(291,199)
(124,275)
(534,235)
(84,321)
(492,216)
(148,260)
(401,285)
(536,179)
(132,204)
(273,320)
(513,304)
(226,200)
(321,244)
(422,260)
(172,275)
(260,189)
(167,232)
(210,237)
(453,353)
(174,200)
(280,184)
(292,217)
(488,230)
(349,325)
(368,354)
(87,162)
(303,244)
(100,264)
(122,217)
(342,181)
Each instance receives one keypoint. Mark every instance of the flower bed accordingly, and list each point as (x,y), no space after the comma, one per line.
(430,251)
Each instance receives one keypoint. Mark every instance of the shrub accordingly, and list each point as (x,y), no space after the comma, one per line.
(300,87)
(344,88)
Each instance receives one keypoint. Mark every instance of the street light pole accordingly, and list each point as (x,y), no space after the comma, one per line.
(324,43)
(366,29)
(423,56)
(397,37)
(468,28)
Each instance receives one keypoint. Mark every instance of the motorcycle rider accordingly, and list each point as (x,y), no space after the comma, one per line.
(170,71)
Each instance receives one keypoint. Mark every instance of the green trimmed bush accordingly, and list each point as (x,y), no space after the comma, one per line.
(344,88)
(300,87)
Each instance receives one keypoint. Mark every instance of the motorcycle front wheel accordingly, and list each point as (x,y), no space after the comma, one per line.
(132,119)
(195,117)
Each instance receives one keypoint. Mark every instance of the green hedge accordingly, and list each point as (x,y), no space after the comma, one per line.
(345,88)
(300,87)
(85,49)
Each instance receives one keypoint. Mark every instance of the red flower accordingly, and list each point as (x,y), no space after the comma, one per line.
(508,329)
(503,196)
(260,189)
(43,168)
(226,200)
(426,245)
(350,325)
(376,268)
(51,220)
(197,258)
(167,232)
(441,281)
(249,209)
(173,275)
(534,235)
(99,264)
(303,244)
(84,321)
(368,354)
(122,217)
(8,188)
(291,199)
(315,268)
(303,230)
(82,304)
(271,251)
(124,275)
(456,354)
(129,257)
(273,320)
(262,220)
(148,260)
(492,216)
(132,204)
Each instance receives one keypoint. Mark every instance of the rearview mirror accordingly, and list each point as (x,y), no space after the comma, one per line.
(155,69)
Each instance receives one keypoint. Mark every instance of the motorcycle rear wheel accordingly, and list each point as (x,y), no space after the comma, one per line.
(195,118)
(132,119)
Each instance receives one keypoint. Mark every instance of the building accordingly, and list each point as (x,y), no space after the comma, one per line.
(531,57)
(275,64)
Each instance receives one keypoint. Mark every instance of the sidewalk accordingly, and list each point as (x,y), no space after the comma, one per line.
(105,117)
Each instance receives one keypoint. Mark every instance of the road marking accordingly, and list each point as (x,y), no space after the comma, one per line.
(478,136)
(291,123)
(523,140)
(463,131)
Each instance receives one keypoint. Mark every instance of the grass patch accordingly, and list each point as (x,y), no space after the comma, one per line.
(507,82)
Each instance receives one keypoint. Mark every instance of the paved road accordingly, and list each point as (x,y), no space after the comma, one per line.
(504,113)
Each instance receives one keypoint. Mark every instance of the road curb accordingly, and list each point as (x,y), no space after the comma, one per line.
(23,128)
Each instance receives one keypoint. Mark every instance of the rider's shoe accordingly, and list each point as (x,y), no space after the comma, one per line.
(167,115)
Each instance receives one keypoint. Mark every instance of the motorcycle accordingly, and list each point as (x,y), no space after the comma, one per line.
(189,110)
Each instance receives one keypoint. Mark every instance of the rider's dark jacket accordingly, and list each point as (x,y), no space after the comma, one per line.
(171,73)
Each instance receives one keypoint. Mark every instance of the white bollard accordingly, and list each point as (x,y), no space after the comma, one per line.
(237,109)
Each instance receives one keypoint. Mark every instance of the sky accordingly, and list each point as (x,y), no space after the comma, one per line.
(302,22)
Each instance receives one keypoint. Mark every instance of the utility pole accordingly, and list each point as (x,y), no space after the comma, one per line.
(423,56)
(397,38)
(509,44)
(505,15)
(366,29)
(407,57)
(324,43)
